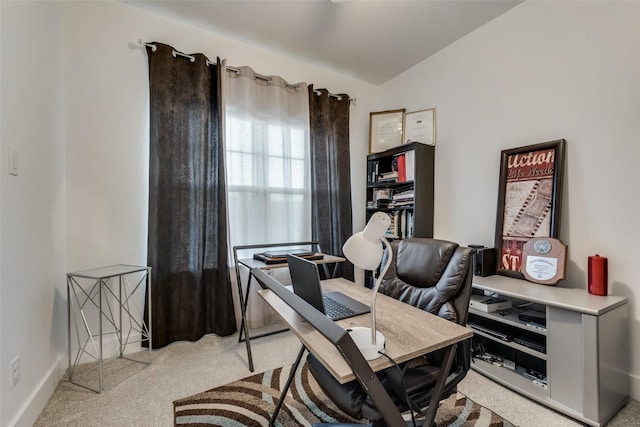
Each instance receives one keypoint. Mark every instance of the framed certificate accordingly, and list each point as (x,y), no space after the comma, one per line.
(420,126)
(386,130)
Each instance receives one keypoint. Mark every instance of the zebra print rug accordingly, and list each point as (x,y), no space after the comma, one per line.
(251,401)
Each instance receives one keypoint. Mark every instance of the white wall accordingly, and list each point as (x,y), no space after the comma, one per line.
(75,105)
(540,72)
(107,120)
(32,287)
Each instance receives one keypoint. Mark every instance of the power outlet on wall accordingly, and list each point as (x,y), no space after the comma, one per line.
(15,371)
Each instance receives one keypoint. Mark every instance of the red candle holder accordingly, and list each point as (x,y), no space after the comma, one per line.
(597,275)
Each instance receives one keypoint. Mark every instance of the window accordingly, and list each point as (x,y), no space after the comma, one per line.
(268,169)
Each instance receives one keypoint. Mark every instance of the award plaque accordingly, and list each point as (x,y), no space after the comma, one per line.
(544,260)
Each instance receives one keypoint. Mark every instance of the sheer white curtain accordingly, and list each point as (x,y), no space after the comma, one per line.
(267,163)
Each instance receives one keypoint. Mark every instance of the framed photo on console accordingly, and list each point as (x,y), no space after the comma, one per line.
(529,196)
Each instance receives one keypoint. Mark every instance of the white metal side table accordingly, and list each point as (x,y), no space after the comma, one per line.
(99,300)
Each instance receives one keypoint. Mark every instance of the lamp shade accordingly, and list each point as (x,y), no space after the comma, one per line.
(364,249)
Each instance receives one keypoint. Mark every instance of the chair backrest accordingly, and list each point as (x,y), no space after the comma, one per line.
(433,275)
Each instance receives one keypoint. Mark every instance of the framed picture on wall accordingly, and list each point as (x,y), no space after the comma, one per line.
(529,196)
(420,126)
(386,130)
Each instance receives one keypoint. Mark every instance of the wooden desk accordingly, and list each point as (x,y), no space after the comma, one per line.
(409,332)
(251,263)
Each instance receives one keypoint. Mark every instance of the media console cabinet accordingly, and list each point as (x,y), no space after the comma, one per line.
(581,349)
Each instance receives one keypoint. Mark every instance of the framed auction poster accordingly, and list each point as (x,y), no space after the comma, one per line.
(529,199)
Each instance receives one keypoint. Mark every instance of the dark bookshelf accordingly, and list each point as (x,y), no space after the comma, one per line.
(416,178)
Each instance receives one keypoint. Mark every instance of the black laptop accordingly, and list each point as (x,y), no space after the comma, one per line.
(306,284)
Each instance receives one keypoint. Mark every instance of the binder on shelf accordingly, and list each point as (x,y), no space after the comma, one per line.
(410,161)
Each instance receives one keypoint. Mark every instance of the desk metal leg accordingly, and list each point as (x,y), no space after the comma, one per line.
(245,327)
(69,303)
(437,392)
(101,333)
(285,389)
(243,324)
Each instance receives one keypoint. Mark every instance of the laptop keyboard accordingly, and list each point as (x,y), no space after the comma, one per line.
(335,310)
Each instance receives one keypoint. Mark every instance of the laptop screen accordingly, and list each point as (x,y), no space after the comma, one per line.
(306,281)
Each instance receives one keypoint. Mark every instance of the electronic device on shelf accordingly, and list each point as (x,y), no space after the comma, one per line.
(485,327)
(532,316)
(531,342)
(533,375)
(484,261)
(488,304)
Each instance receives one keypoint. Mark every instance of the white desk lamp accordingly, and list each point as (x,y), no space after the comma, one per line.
(365,250)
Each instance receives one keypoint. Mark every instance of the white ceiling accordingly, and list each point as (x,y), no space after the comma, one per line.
(370,40)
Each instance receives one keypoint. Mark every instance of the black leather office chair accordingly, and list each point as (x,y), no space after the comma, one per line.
(433,275)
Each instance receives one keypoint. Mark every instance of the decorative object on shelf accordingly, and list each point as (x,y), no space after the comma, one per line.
(420,126)
(529,196)
(365,249)
(598,276)
(386,130)
(544,260)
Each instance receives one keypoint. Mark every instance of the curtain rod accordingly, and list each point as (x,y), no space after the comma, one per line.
(176,53)
(261,77)
(333,95)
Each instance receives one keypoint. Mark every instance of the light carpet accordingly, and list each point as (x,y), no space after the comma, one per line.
(251,401)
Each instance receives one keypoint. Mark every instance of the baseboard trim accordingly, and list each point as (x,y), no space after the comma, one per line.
(35,403)
(634,391)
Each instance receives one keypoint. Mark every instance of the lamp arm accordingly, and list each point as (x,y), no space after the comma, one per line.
(385,242)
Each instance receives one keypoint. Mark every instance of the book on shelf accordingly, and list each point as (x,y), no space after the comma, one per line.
(388,176)
(381,197)
(401,167)
(401,196)
(392,231)
(394,204)
(409,226)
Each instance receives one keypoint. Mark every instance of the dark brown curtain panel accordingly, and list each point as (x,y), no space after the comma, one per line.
(331,219)
(187,249)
